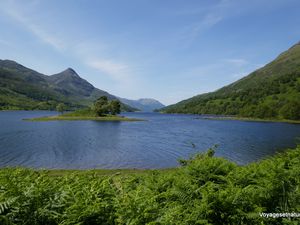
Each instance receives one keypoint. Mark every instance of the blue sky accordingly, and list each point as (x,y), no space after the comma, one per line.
(169,50)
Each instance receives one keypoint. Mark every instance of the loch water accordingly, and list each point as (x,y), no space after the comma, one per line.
(157,142)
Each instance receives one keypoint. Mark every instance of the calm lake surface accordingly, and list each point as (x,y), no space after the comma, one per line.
(155,143)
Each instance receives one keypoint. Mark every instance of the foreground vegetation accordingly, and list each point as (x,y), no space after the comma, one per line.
(272,92)
(203,190)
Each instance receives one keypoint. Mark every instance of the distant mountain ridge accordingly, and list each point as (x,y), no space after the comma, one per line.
(144,104)
(272,91)
(24,88)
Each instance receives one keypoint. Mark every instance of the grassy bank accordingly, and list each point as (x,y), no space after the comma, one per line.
(203,190)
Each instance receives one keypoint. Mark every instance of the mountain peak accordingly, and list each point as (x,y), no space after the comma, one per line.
(70,72)
(9,63)
(71,82)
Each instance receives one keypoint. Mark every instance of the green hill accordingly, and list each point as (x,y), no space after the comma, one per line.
(23,88)
(271,92)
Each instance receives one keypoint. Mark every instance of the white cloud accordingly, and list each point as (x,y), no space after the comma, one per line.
(55,42)
(211,20)
(188,11)
(240,75)
(207,19)
(230,68)
(191,32)
(117,71)
(92,53)
(239,62)
(15,12)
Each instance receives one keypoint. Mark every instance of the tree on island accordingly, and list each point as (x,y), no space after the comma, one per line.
(115,107)
(60,107)
(103,106)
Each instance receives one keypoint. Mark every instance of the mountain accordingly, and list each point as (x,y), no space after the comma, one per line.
(143,104)
(70,84)
(272,91)
(24,88)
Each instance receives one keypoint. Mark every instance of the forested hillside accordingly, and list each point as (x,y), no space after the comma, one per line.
(270,92)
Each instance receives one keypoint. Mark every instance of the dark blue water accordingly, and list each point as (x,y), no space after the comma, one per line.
(155,143)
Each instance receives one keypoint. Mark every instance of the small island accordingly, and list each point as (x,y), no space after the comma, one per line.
(102,110)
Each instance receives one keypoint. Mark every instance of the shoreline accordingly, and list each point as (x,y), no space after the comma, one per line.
(103,172)
(247,119)
(231,117)
(97,172)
